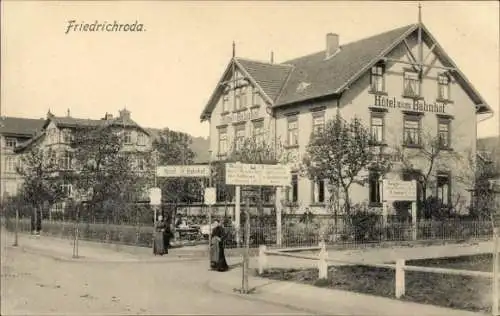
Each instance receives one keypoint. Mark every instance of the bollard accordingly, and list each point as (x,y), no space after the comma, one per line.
(400,278)
(322,264)
(262,259)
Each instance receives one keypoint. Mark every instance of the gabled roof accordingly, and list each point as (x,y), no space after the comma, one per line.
(269,77)
(329,76)
(17,126)
(314,76)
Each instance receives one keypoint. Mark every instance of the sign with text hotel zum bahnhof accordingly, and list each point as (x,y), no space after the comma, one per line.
(415,105)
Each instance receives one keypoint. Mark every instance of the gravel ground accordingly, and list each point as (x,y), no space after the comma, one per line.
(38,285)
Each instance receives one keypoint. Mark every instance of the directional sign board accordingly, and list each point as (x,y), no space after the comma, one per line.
(155,196)
(258,174)
(183,171)
(495,188)
(210,195)
(397,190)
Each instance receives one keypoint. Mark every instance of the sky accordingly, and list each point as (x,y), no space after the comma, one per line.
(165,74)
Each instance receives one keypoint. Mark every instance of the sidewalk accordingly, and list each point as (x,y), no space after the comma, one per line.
(62,249)
(308,299)
(320,301)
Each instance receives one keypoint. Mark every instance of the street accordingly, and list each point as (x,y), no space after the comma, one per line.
(34,284)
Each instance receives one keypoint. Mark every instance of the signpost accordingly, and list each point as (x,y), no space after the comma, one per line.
(248,175)
(183,171)
(495,218)
(155,201)
(210,195)
(397,190)
(258,174)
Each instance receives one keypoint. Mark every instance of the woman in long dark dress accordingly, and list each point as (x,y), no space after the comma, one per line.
(159,239)
(217,257)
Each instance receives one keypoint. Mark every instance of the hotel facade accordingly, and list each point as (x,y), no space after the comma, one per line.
(401,84)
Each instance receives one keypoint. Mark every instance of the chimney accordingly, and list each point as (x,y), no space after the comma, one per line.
(332,44)
(272,57)
(68,114)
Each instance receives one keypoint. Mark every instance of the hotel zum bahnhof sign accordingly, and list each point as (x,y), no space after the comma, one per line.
(415,105)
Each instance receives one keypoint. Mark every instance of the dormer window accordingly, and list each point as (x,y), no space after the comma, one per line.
(411,84)
(443,87)
(377,81)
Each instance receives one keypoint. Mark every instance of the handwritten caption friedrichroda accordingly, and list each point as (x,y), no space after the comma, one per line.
(105,26)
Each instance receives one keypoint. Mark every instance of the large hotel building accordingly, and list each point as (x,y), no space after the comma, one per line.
(401,84)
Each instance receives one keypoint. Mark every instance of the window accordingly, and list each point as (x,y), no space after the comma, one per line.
(318,195)
(318,122)
(243,97)
(67,136)
(374,187)
(293,191)
(443,87)
(10,142)
(141,139)
(66,161)
(255,97)
(10,164)
(128,137)
(411,130)
(377,78)
(258,132)
(237,100)
(225,102)
(411,84)
(223,141)
(443,188)
(377,127)
(67,189)
(239,136)
(293,131)
(444,133)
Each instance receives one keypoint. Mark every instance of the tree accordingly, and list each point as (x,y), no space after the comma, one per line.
(108,175)
(42,183)
(173,148)
(340,152)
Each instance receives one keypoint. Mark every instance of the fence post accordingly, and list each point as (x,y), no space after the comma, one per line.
(400,278)
(16,238)
(262,258)
(322,264)
(278,208)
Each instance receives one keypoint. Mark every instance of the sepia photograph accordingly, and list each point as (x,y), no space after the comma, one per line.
(250,158)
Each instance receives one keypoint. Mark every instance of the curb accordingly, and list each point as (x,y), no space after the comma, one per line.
(257,297)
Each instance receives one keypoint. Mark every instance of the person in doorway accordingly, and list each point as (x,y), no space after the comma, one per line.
(159,238)
(217,257)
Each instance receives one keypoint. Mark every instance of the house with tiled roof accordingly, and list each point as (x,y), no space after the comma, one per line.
(400,83)
(57,132)
(13,131)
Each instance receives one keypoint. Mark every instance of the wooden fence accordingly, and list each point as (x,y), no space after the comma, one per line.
(400,267)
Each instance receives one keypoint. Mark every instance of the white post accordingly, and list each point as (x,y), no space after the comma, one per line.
(495,295)
(414,219)
(400,278)
(237,212)
(262,258)
(279,210)
(322,264)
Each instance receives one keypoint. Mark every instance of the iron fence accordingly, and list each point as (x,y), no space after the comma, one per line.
(134,226)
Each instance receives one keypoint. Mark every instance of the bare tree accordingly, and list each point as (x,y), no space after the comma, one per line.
(340,152)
